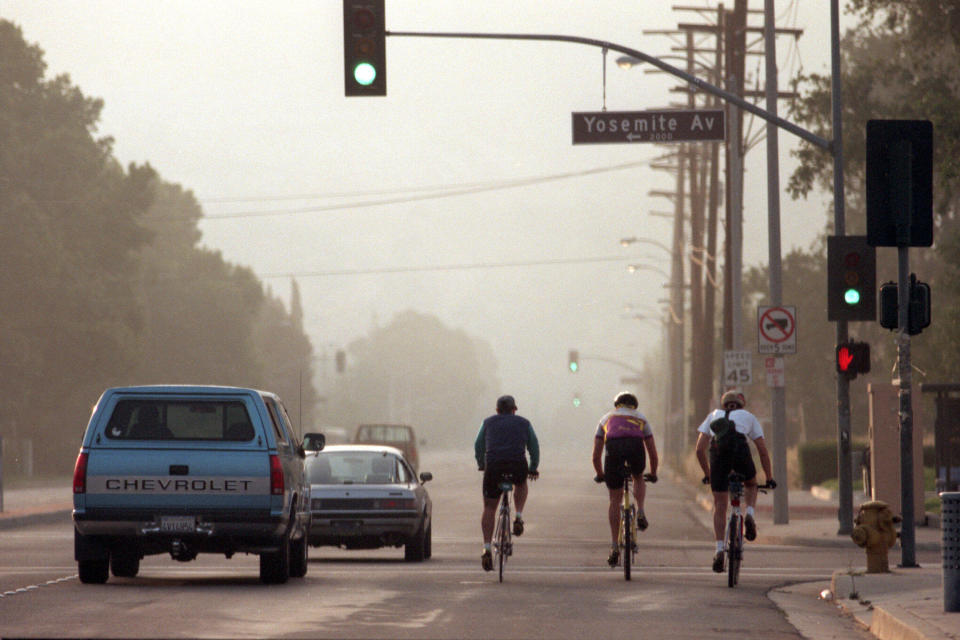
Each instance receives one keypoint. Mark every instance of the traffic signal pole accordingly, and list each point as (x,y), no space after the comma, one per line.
(844,472)
(907,533)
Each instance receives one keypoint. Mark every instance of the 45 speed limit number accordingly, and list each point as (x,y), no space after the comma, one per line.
(737,368)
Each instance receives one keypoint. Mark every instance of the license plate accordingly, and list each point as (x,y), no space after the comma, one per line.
(178,524)
(346,524)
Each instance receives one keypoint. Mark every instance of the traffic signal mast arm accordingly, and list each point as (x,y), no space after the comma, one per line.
(810,137)
(610,360)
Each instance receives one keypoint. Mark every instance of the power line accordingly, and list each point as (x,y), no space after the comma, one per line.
(453,191)
(451,267)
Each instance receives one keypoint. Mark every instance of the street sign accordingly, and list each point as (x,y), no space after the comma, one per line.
(737,368)
(775,371)
(777,329)
(592,127)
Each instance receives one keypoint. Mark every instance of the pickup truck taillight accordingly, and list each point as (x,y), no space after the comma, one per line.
(276,476)
(80,473)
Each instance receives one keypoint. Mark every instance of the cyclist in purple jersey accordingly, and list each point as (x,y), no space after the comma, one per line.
(625,435)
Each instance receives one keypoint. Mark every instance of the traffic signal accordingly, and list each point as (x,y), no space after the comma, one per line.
(576,400)
(918,312)
(364,48)
(853,358)
(851,279)
(574,361)
(899,172)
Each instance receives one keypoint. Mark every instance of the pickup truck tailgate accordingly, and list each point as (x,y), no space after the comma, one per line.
(165,479)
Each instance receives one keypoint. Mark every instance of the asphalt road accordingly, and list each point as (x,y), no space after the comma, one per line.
(556,585)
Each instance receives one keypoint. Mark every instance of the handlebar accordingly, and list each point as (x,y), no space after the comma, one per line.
(649,477)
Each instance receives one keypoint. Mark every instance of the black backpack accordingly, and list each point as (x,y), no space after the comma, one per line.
(724,433)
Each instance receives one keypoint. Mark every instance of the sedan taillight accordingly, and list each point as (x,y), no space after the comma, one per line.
(394,503)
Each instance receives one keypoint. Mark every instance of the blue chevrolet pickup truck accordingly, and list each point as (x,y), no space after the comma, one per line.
(187,470)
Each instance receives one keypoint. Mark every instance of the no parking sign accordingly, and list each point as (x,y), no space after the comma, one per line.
(777,329)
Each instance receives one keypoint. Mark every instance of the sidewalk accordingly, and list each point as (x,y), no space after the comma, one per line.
(37,504)
(905,604)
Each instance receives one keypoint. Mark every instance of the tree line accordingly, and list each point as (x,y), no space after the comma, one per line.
(105,281)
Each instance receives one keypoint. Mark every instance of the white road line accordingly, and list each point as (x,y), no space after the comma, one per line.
(32,587)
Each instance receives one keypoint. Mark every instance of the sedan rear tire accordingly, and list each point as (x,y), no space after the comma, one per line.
(415,549)
(125,564)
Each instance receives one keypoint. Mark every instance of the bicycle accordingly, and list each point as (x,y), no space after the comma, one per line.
(734,531)
(627,536)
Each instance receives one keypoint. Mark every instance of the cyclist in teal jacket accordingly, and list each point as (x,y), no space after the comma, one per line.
(500,448)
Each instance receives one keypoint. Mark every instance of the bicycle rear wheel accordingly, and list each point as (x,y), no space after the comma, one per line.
(503,538)
(734,550)
(627,543)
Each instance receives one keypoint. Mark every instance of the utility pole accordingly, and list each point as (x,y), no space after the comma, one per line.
(781,514)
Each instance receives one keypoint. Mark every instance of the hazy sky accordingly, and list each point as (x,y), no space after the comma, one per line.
(242,103)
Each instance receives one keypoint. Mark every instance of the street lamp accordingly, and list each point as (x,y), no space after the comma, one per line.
(626,242)
(633,268)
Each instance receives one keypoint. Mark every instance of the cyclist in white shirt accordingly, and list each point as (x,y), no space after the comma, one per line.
(719,456)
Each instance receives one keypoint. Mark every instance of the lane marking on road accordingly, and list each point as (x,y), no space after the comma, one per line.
(33,587)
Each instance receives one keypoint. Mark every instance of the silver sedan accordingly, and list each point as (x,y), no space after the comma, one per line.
(367,497)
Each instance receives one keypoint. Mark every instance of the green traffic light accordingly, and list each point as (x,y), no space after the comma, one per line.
(365,73)
(851,296)
(576,402)
(574,366)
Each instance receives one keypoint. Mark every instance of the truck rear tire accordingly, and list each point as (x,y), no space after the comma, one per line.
(93,571)
(275,566)
(298,557)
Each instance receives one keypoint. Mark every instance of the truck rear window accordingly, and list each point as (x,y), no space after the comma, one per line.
(180,420)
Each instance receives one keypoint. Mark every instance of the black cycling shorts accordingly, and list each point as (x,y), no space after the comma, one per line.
(515,470)
(620,450)
(735,458)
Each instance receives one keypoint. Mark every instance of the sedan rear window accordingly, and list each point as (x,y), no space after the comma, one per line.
(180,420)
(352,467)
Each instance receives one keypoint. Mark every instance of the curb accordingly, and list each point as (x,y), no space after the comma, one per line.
(41,517)
(842,542)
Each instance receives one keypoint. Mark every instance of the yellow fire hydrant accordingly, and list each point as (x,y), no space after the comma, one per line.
(875,533)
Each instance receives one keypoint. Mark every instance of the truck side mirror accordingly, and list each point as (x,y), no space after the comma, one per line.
(314,441)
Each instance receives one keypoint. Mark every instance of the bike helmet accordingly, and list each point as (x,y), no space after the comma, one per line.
(626,399)
(735,397)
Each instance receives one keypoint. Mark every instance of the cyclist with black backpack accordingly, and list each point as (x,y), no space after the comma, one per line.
(724,434)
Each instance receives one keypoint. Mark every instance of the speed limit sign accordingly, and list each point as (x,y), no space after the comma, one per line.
(737,368)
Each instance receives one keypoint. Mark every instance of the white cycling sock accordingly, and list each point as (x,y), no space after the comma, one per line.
(749,511)
(719,546)
(486,546)
(519,515)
